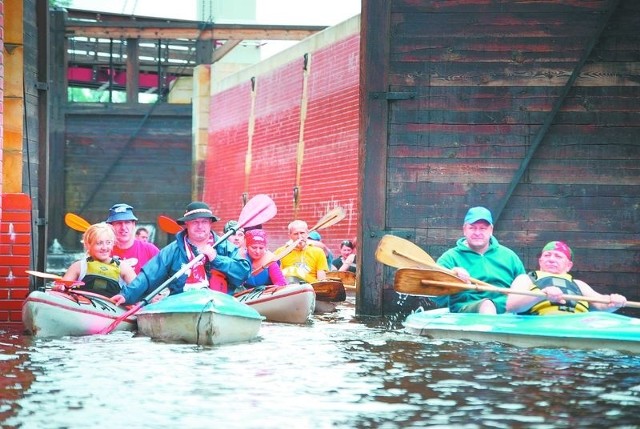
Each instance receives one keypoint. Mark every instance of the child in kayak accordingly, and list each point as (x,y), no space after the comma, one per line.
(554,280)
(100,271)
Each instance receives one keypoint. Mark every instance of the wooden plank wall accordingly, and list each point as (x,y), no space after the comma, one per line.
(485,76)
(116,154)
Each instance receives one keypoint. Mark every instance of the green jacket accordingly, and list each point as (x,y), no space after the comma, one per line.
(498,266)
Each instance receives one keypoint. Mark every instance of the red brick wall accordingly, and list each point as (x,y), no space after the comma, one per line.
(15,238)
(328,176)
(1,91)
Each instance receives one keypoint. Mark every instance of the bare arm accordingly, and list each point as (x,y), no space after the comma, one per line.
(348,262)
(127,273)
(615,300)
(73,272)
(520,303)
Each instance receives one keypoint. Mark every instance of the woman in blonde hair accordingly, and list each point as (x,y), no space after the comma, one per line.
(100,271)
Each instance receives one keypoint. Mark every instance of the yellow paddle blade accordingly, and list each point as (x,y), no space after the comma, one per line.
(76,222)
(399,253)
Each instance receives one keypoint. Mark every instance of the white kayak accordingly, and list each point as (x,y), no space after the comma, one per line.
(199,316)
(75,313)
(293,303)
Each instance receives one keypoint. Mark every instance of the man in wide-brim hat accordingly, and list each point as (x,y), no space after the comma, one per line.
(222,268)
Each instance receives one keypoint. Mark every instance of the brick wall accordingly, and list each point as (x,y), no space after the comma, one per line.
(1,92)
(304,103)
(15,238)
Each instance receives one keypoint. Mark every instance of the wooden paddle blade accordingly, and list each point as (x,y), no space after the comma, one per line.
(332,217)
(399,253)
(410,281)
(168,225)
(76,222)
(43,275)
(347,278)
(284,251)
(329,290)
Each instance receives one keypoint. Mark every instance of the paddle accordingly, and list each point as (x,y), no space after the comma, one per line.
(57,280)
(258,210)
(400,253)
(332,217)
(276,256)
(329,290)
(42,275)
(348,278)
(169,225)
(438,283)
(76,222)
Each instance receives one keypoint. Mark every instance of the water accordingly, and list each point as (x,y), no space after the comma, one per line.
(336,372)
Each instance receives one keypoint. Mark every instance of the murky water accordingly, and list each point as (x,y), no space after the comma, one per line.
(337,372)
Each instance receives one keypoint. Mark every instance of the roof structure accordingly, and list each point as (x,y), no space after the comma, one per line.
(102,48)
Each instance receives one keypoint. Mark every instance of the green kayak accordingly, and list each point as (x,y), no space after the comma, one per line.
(594,330)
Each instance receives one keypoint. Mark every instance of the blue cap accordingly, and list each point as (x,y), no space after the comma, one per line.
(478,213)
(314,235)
(120,212)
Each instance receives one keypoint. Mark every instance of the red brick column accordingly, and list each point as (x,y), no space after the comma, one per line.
(15,245)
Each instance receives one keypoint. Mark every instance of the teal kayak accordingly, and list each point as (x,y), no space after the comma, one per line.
(594,330)
(200,316)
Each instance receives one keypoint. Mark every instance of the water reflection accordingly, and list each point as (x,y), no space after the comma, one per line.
(338,371)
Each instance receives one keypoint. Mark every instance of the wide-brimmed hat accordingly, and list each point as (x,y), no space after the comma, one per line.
(197,210)
(120,212)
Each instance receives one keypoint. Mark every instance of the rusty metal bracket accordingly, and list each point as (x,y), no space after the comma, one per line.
(393,95)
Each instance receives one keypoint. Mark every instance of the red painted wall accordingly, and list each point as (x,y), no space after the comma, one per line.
(1,92)
(15,239)
(328,169)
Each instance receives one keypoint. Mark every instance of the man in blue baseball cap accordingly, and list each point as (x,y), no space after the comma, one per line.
(315,239)
(478,255)
(127,246)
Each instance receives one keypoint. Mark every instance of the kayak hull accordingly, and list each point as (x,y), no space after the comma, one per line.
(202,316)
(57,314)
(292,303)
(594,330)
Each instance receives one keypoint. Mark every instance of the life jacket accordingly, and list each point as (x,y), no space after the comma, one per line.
(99,277)
(566,284)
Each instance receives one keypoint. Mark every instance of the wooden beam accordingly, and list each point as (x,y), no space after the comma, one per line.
(133,70)
(372,180)
(223,50)
(177,31)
